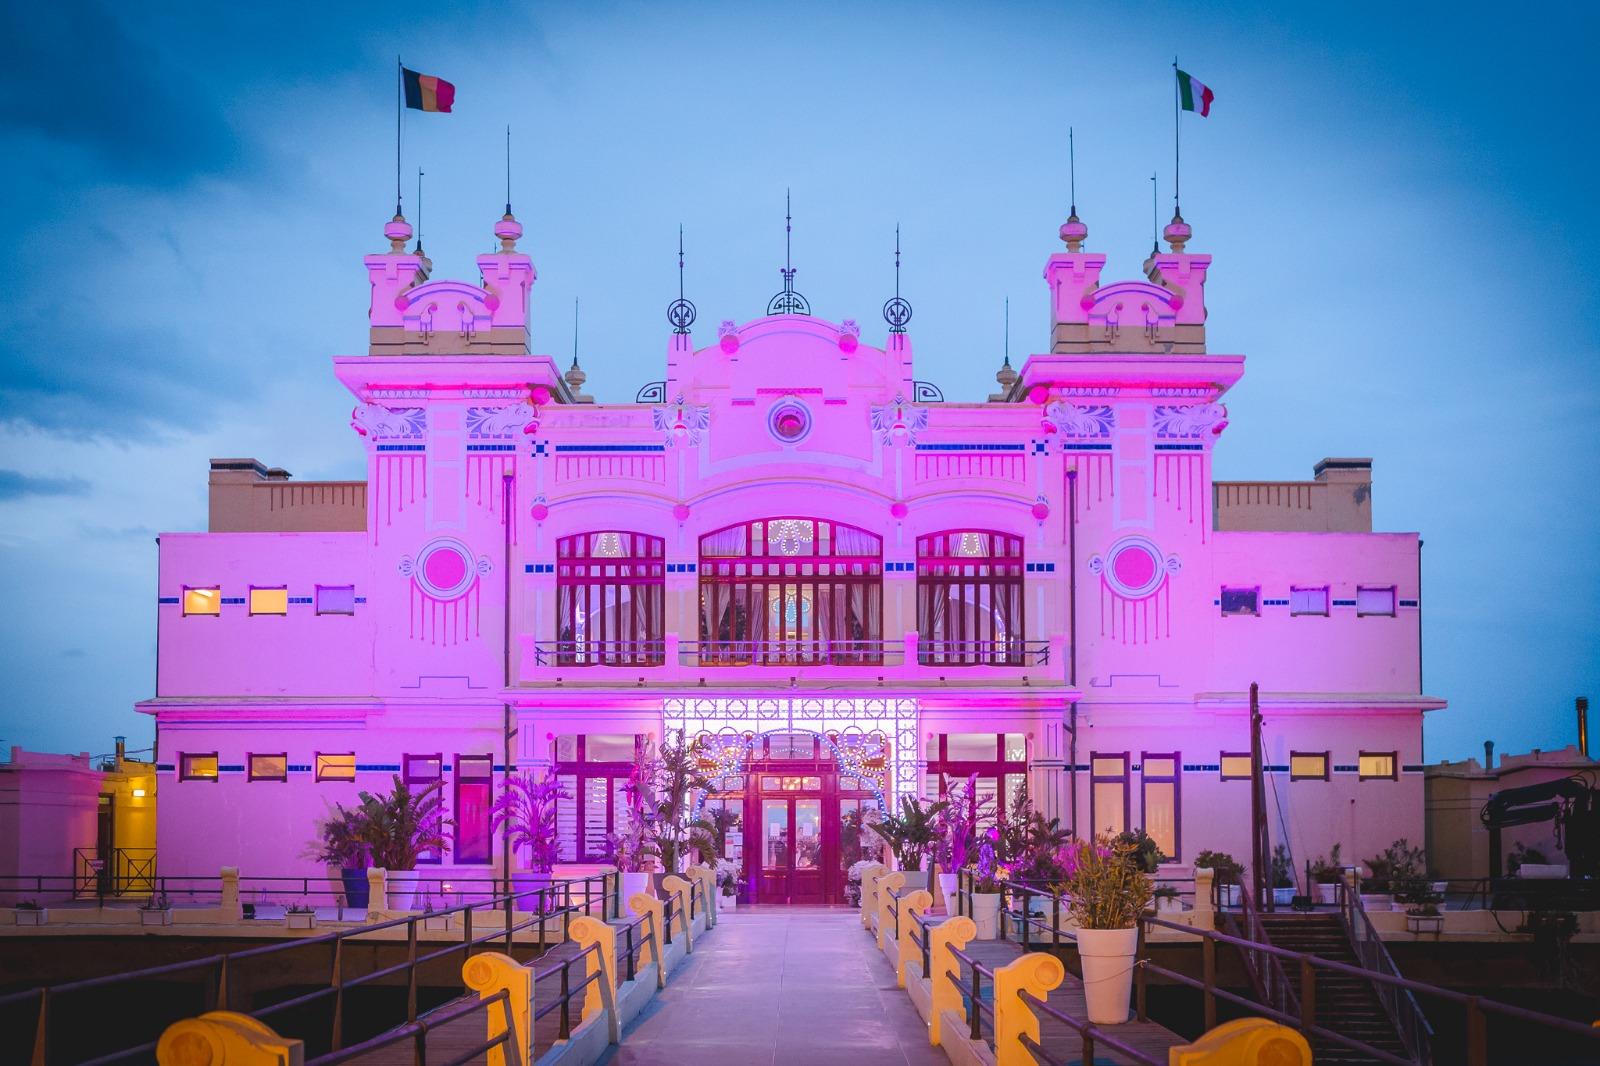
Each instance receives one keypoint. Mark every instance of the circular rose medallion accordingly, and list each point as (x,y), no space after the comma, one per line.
(1134,567)
(789,421)
(445,569)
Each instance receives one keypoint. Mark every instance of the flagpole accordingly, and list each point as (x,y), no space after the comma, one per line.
(508,168)
(399,105)
(1177,155)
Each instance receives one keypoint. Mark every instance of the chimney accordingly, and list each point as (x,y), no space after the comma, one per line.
(1488,755)
(1349,484)
(1583,726)
(122,748)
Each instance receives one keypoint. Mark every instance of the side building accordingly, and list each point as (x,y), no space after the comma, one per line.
(852,587)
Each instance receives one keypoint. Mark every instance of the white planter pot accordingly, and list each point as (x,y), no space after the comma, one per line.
(150,917)
(1420,923)
(947,888)
(1168,905)
(402,890)
(634,883)
(526,881)
(1107,956)
(1328,893)
(38,917)
(1282,897)
(1542,870)
(1396,905)
(1376,901)
(986,914)
(437,922)
(300,921)
(1438,888)
(726,902)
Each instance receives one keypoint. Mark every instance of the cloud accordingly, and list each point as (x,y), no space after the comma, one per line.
(14,485)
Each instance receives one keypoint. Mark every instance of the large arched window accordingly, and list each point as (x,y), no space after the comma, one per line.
(610,599)
(791,591)
(969,599)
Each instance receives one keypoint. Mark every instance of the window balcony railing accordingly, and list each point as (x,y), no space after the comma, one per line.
(842,653)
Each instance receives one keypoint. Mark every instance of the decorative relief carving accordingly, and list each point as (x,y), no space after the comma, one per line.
(1191,421)
(899,421)
(1071,420)
(389,423)
(681,421)
(500,423)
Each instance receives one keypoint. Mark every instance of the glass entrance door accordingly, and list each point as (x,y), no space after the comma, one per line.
(791,850)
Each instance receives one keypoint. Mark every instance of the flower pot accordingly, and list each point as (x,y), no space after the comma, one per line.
(33,917)
(1168,905)
(726,902)
(986,914)
(633,883)
(1282,897)
(1425,923)
(357,889)
(1328,892)
(300,920)
(402,888)
(436,922)
(1107,956)
(916,878)
(1376,901)
(153,917)
(530,881)
(947,888)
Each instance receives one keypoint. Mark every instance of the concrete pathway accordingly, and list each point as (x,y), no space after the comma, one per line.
(774,986)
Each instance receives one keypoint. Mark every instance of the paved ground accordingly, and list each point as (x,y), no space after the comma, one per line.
(773,986)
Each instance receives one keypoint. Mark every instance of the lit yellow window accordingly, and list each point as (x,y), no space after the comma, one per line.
(1109,767)
(202,601)
(269,601)
(1235,766)
(336,767)
(198,767)
(1377,764)
(1160,766)
(1308,766)
(269,767)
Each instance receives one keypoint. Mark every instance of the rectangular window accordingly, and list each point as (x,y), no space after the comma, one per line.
(1108,799)
(197,767)
(605,747)
(594,769)
(423,769)
(1235,766)
(336,599)
(340,767)
(1241,601)
(269,767)
(274,600)
(1159,798)
(972,747)
(1377,601)
(1308,766)
(202,601)
(1378,765)
(474,778)
(1308,600)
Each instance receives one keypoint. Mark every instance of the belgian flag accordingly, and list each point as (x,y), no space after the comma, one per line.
(424,92)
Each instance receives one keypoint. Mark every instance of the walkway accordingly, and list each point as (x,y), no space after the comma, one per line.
(774,986)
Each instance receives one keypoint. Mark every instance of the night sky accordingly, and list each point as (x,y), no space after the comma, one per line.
(1396,197)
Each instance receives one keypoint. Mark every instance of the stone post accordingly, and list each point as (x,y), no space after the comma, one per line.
(953,932)
(1036,973)
(223,1036)
(1205,915)
(680,889)
(910,907)
(486,974)
(650,951)
(869,893)
(888,885)
(1245,1042)
(377,892)
(231,909)
(601,994)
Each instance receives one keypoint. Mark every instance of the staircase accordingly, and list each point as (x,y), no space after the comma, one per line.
(1346,1004)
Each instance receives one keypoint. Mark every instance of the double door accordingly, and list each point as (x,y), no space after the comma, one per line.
(794,850)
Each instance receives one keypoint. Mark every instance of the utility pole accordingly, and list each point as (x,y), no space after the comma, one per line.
(1260,856)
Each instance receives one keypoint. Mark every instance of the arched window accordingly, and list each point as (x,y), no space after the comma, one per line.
(791,591)
(969,599)
(610,599)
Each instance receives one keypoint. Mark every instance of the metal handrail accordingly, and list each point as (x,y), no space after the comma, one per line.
(1398,1002)
(217,968)
(1265,970)
(600,652)
(1087,1030)
(564,1001)
(821,651)
(417,1031)
(976,1008)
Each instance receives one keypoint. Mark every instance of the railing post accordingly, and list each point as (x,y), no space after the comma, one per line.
(1141,954)
(954,932)
(1477,1034)
(41,1032)
(912,905)
(1035,973)
(228,903)
(1308,996)
(336,1038)
(566,1000)
(1208,960)
(974,1018)
(1204,915)
(411,969)
(489,973)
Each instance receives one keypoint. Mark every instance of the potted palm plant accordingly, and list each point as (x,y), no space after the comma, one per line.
(399,827)
(1282,877)
(1108,891)
(957,827)
(1326,872)
(525,811)
(989,879)
(911,835)
(340,845)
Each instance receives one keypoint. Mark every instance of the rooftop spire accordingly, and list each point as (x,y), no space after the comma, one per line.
(508,170)
(680,312)
(788,302)
(1073,231)
(897,312)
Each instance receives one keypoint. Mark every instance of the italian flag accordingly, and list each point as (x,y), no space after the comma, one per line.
(1194,95)
(424,92)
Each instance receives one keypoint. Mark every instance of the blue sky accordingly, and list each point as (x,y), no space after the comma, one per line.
(1397,197)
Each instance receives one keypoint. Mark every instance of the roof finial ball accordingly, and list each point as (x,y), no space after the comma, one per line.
(1074,232)
(1177,233)
(1006,377)
(508,229)
(398,230)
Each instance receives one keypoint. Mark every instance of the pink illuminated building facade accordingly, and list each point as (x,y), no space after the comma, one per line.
(855,588)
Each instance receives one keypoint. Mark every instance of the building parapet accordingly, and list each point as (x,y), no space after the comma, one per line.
(249,497)
(1337,500)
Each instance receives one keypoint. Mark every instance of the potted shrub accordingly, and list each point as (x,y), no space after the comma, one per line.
(852,881)
(300,916)
(156,910)
(635,851)
(1423,916)
(728,884)
(399,827)
(911,835)
(667,785)
(1166,899)
(525,811)
(1227,870)
(340,845)
(1146,853)
(30,913)
(1406,865)
(1282,877)
(1376,894)
(1042,862)
(1108,891)
(1326,873)
(432,921)
(989,878)
(957,828)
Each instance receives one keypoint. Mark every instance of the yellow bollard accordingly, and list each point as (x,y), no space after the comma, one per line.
(224,1037)
(1245,1042)
(953,932)
(587,931)
(1036,973)
(869,893)
(910,907)
(645,903)
(488,973)
(888,885)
